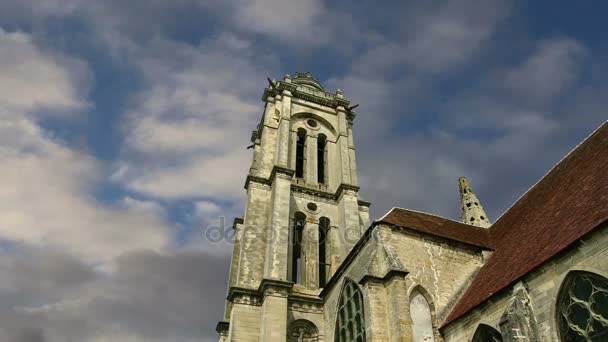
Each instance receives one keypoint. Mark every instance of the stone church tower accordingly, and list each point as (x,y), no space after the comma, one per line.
(303,213)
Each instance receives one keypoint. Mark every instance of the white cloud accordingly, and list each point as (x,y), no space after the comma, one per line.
(187,131)
(32,79)
(47,194)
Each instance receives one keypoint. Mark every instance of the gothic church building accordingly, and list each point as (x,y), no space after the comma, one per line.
(307,264)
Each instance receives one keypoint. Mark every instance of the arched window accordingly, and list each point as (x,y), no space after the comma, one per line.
(486,333)
(297,231)
(422,320)
(321,167)
(300,152)
(324,225)
(582,308)
(302,330)
(351,321)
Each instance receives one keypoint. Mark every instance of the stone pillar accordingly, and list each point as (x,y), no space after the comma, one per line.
(293,138)
(311,254)
(277,236)
(350,210)
(342,145)
(274,310)
(335,249)
(398,309)
(311,160)
(234,263)
(284,128)
(251,260)
(245,322)
(375,304)
(351,156)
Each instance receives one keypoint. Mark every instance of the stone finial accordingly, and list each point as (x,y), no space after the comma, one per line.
(472,211)
(339,93)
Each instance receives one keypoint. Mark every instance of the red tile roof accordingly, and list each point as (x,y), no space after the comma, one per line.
(438,226)
(569,202)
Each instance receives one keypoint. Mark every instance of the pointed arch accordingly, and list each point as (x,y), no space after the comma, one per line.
(486,333)
(350,321)
(320,119)
(582,307)
(302,330)
(422,315)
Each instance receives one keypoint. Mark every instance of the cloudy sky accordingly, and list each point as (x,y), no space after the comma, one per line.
(123,127)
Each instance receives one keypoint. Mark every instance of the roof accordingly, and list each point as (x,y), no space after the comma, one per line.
(569,202)
(438,226)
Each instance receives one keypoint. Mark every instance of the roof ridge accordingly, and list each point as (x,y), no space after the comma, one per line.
(430,214)
(547,173)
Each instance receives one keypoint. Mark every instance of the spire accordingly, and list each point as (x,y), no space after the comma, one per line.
(472,211)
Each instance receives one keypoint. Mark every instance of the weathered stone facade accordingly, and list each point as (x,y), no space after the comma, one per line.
(307,265)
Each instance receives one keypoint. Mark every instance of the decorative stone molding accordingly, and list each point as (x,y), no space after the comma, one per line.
(238,295)
(518,321)
(273,287)
(388,276)
(302,330)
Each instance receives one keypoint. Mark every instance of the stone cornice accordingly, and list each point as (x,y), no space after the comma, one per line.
(302,92)
(274,287)
(363,203)
(388,276)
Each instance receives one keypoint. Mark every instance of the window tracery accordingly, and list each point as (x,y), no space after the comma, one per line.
(582,308)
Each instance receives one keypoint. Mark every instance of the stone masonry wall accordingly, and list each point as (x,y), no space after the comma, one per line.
(589,254)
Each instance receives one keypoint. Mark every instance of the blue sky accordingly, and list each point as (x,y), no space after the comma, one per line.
(123,127)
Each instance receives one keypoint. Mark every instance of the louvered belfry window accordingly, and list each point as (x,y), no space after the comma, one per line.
(582,308)
(350,326)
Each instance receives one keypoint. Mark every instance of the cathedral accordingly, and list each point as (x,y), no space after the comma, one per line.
(308,265)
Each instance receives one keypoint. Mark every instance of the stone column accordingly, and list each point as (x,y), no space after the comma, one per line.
(293,138)
(376,318)
(398,309)
(284,128)
(311,160)
(350,210)
(274,310)
(311,254)
(277,236)
(335,249)
(342,145)
(351,157)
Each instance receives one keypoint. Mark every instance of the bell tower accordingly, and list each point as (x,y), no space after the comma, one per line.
(303,212)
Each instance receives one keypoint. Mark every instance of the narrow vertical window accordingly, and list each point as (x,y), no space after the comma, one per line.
(422,320)
(321,144)
(323,249)
(350,326)
(296,247)
(300,153)
(582,308)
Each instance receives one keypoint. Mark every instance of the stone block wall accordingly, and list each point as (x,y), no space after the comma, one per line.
(588,254)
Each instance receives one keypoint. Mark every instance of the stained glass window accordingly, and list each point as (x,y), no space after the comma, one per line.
(582,308)
(350,326)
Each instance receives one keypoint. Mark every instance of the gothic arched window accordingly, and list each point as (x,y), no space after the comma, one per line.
(422,320)
(297,232)
(321,167)
(324,225)
(486,333)
(302,330)
(300,152)
(350,325)
(582,308)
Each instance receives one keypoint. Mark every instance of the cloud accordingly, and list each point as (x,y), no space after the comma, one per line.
(37,80)
(47,200)
(149,297)
(184,133)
